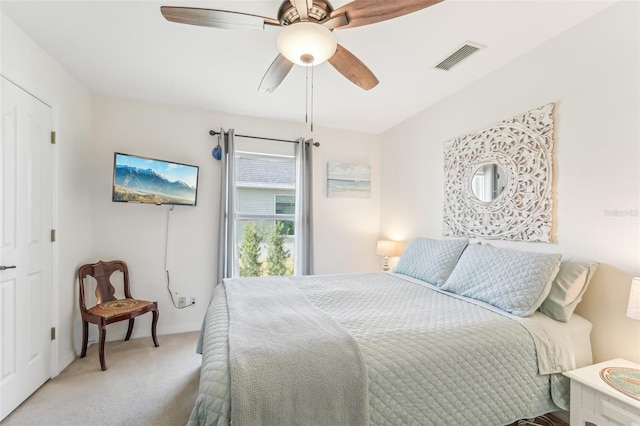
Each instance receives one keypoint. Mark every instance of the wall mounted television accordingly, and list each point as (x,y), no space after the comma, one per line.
(146,180)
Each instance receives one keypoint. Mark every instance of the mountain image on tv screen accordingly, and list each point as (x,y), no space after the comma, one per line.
(145,180)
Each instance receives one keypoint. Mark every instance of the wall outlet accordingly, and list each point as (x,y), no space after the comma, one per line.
(182,302)
(193,300)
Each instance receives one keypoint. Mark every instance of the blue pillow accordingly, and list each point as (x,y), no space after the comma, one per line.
(431,260)
(512,280)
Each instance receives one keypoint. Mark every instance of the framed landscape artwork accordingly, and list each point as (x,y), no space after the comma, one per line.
(348,180)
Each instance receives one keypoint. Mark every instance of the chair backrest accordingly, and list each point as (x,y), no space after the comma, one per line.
(102,272)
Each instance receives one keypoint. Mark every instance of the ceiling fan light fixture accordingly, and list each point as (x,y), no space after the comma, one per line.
(306,43)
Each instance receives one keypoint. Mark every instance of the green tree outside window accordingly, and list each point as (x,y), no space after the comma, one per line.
(250,264)
(276,254)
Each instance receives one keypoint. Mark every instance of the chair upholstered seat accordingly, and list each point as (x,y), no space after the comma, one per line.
(108,308)
(114,308)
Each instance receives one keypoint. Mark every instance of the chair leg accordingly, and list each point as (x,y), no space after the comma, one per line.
(103,335)
(154,323)
(129,330)
(85,338)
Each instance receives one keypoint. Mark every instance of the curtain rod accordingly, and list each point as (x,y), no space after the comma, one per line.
(213,133)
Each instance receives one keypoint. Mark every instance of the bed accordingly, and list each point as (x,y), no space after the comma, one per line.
(385,348)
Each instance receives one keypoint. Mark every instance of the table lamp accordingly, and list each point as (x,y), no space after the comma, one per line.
(387,249)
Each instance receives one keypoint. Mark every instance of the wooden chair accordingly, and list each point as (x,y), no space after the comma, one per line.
(108,309)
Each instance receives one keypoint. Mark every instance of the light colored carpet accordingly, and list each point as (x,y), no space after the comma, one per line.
(143,385)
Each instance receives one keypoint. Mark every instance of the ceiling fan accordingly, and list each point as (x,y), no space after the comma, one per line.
(306,36)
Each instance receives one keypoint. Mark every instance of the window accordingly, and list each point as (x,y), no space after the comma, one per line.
(265,217)
(286,205)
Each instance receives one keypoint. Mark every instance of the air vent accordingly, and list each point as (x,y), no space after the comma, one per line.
(459,55)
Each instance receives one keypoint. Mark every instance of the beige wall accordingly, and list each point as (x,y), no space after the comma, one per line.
(91,227)
(591,73)
(137,233)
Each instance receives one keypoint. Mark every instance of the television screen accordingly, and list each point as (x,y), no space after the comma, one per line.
(146,180)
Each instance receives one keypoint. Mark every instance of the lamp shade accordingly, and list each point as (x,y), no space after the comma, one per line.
(387,248)
(306,43)
(633,308)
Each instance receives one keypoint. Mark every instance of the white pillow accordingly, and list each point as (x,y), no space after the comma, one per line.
(567,288)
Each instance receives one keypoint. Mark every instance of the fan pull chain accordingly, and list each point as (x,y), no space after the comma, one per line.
(311,99)
(308,64)
(306,93)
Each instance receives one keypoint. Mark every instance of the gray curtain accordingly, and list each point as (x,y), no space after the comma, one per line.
(303,261)
(227,256)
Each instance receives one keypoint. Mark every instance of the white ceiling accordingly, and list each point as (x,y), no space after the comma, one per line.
(127,49)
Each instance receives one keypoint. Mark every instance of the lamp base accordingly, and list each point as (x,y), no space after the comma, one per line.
(385,265)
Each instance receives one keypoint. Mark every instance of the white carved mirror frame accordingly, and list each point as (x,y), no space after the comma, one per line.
(521,208)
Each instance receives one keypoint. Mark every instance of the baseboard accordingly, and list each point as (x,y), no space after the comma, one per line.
(182,328)
(64,360)
(116,335)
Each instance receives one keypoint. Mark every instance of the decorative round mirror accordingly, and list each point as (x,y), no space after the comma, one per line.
(498,181)
(488,182)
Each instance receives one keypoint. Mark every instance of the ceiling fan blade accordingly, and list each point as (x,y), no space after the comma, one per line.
(217,18)
(365,12)
(302,6)
(353,68)
(335,21)
(277,71)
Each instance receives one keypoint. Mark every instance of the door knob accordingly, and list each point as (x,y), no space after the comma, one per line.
(2,268)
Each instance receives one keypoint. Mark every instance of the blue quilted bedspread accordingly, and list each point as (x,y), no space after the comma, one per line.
(431,359)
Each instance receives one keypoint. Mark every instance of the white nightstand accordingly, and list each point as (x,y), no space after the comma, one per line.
(593,400)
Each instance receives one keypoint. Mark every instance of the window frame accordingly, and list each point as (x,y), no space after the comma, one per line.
(278,190)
